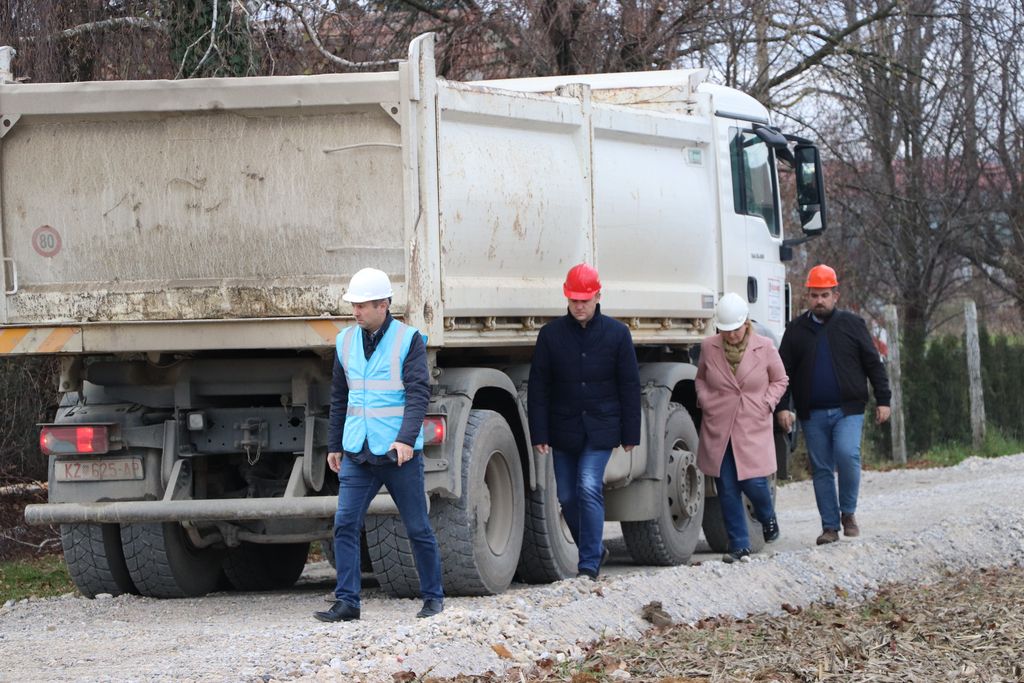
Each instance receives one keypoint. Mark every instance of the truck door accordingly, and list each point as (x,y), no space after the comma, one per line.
(756,199)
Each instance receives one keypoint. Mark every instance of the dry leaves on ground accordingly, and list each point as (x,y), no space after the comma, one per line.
(967,626)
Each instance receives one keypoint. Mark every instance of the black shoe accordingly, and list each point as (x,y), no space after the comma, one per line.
(741,555)
(604,556)
(771,530)
(340,611)
(589,574)
(431,608)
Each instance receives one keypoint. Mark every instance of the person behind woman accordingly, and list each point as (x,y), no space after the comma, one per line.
(740,378)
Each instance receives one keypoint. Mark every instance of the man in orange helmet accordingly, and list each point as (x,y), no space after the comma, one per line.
(829,357)
(583,401)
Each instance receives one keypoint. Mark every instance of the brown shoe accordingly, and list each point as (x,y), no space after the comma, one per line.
(828,536)
(850,527)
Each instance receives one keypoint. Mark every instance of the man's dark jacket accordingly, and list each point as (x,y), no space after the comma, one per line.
(584,385)
(854,358)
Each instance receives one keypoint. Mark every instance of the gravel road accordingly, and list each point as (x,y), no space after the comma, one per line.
(915,524)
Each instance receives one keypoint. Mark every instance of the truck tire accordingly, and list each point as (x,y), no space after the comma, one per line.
(265,567)
(95,559)
(481,533)
(671,538)
(327,550)
(549,553)
(714,524)
(163,563)
(391,558)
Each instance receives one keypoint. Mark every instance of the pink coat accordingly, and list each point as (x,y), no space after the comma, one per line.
(739,407)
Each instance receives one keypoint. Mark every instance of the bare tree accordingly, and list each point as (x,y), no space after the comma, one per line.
(998,249)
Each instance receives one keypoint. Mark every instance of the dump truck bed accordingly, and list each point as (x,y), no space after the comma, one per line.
(230,213)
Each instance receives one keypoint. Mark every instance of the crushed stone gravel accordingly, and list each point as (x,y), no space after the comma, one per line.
(916,526)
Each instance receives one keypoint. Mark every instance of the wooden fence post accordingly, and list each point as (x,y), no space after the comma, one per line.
(977,393)
(896,421)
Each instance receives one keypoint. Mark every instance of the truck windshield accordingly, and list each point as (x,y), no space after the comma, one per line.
(753,181)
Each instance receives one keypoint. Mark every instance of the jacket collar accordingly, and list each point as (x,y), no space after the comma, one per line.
(596,320)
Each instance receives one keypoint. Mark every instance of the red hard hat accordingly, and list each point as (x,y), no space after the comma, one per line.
(582,282)
(821,277)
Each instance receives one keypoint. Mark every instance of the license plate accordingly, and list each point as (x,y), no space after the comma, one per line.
(98,469)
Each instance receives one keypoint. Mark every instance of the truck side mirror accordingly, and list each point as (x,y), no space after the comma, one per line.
(810,189)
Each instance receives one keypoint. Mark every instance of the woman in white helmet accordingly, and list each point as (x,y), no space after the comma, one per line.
(740,378)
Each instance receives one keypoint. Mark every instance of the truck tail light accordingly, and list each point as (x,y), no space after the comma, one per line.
(64,440)
(434,430)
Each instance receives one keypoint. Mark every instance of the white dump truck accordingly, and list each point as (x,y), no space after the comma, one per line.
(183,247)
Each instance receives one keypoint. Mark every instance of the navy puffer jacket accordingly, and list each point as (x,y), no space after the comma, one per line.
(584,385)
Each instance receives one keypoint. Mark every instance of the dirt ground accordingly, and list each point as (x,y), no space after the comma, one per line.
(922,595)
(964,627)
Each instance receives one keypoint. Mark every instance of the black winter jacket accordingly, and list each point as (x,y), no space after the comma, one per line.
(854,358)
(584,385)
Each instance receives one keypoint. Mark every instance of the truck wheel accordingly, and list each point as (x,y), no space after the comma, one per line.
(365,566)
(714,524)
(391,558)
(481,533)
(164,564)
(265,567)
(671,538)
(549,553)
(95,559)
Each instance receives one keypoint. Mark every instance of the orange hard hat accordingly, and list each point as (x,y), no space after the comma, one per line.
(582,282)
(821,277)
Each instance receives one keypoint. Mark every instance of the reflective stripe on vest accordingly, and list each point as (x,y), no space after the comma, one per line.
(376,393)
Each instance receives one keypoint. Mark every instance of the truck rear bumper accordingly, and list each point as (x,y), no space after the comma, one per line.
(310,507)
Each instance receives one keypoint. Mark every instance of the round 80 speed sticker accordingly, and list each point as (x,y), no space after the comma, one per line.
(46,241)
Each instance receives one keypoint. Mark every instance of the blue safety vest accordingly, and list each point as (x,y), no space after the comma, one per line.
(376,392)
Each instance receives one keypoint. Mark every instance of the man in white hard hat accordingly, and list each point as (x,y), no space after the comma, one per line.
(379,397)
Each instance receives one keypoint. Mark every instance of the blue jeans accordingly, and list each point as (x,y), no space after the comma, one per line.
(833,442)
(359,483)
(579,479)
(730,500)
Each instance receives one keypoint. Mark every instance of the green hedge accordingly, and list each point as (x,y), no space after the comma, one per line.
(937,402)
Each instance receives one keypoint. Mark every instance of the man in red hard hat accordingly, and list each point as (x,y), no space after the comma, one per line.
(830,357)
(583,401)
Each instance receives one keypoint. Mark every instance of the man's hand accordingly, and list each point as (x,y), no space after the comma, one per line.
(785,418)
(404,452)
(628,447)
(882,414)
(542,448)
(334,461)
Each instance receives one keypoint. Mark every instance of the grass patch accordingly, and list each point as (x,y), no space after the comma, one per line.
(36,577)
(996,444)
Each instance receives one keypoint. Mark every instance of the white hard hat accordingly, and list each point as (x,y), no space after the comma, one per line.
(369,284)
(731,312)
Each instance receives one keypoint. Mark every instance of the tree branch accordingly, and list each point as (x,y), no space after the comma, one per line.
(315,39)
(832,42)
(104,25)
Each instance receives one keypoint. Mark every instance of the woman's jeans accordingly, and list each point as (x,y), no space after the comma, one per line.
(833,442)
(730,500)
(579,478)
(359,483)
